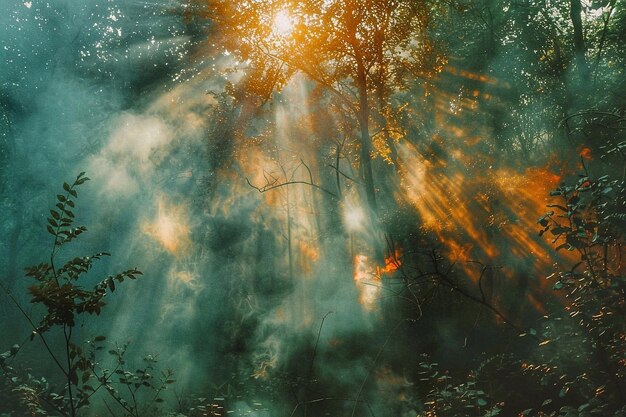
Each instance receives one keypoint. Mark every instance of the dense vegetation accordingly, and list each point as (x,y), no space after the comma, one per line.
(345,208)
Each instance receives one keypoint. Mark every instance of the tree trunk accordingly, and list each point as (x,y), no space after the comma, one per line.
(579,39)
(366,143)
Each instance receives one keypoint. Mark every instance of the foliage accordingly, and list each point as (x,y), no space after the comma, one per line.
(454,84)
(60,292)
(447,398)
(331,42)
(357,52)
(139,392)
(589,220)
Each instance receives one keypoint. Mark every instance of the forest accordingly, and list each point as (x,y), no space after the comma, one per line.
(307,208)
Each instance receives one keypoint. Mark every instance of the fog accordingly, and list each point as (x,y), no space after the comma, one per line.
(267,286)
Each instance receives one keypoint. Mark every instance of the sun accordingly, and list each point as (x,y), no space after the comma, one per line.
(283,23)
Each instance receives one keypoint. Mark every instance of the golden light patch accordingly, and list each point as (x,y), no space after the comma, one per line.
(283,23)
(367,282)
(169,228)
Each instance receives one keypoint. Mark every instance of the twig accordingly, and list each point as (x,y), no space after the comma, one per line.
(108,408)
(269,187)
(319,400)
(346,176)
(309,376)
(481,301)
(380,351)
(34,327)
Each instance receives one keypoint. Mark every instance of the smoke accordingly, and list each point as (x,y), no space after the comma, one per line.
(89,88)
(236,281)
(104,88)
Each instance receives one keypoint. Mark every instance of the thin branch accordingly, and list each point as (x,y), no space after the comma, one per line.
(310,374)
(269,187)
(605,27)
(108,408)
(319,400)
(380,351)
(386,130)
(346,176)
(480,301)
(307,168)
(34,327)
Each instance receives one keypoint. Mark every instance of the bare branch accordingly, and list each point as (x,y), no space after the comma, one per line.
(317,341)
(346,176)
(380,351)
(273,186)
(319,400)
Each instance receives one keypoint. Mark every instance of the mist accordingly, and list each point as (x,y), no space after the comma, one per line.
(271,284)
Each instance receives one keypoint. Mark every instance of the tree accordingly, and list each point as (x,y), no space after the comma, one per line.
(359,51)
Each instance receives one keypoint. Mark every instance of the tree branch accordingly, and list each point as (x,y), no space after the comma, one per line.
(273,186)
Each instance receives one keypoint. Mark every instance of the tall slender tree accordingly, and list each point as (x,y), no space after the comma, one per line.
(360,51)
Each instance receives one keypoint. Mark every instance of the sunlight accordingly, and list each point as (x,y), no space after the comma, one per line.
(367,282)
(169,228)
(283,23)
(354,218)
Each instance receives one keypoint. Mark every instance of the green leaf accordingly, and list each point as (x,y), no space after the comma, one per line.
(73,377)
(51,230)
(559,230)
(558,206)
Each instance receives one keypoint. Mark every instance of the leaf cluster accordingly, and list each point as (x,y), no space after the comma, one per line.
(587,343)
(58,289)
(448,398)
(128,387)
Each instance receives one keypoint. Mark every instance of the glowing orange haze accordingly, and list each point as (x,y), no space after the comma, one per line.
(169,228)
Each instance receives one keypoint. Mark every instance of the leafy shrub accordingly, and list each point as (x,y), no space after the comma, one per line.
(59,291)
